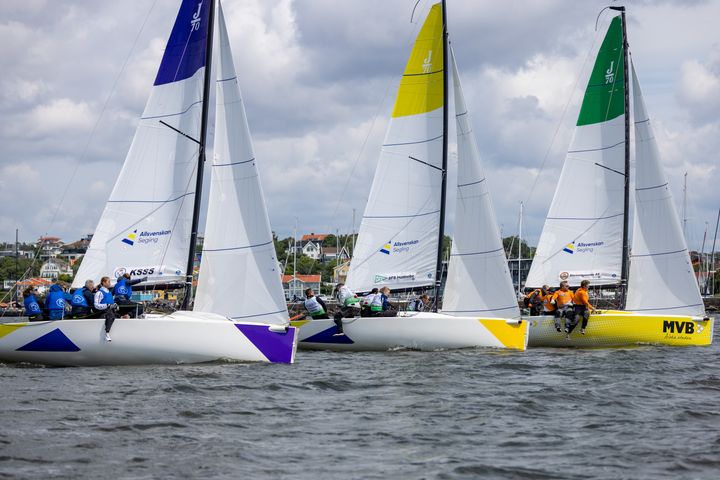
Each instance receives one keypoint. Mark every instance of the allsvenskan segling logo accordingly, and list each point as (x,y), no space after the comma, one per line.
(398,247)
(144,237)
(582,247)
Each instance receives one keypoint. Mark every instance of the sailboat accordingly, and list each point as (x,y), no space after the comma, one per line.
(150,222)
(586,233)
(400,237)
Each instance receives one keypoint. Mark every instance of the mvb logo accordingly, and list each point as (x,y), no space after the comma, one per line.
(674,326)
(130,239)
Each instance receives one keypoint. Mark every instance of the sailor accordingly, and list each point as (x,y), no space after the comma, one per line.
(365,311)
(79,300)
(349,303)
(534,300)
(419,304)
(315,306)
(122,293)
(386,308)
(583,307)
(32,306)
(104,302)
(56,302)
(563,301)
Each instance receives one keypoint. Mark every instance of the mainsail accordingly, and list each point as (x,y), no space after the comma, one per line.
(661,274)
(478,280)
(145,227)
(398,238)
(582,236)
(239,275)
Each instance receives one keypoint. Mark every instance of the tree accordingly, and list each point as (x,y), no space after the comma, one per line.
(64,277)
(8,270)
(511,247)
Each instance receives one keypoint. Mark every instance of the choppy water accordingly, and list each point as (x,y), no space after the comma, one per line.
(645,412)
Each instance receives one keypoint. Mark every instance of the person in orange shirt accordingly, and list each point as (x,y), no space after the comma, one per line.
(563,302)
(583,307)
(535,299)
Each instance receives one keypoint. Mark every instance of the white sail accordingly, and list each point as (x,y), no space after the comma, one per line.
(398,239)
(661,280)
(582,236)
(478,281)
(145,227)
(239,275)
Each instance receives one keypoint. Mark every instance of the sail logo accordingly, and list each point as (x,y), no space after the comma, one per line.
(609,74)
(386,248)
(195,22)
(427,62)
(379,279)
(130,238)
(569,248)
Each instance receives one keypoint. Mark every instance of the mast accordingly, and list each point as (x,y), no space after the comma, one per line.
(626,204)
(712,254)
(443,188)
(201,158)
(519,288)
(17,267)
(684,219)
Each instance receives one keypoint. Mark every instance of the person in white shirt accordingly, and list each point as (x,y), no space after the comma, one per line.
(103,302)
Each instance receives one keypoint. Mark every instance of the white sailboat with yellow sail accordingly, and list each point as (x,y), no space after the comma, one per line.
(399,243)
(586,233)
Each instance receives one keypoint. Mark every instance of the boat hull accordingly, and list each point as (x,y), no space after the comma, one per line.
(182,337)
(619,328)
(416,331)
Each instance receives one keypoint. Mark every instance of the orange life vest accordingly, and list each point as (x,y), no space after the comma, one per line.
(562,298)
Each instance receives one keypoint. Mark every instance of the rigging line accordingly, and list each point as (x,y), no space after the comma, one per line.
(560,122)
(100,116)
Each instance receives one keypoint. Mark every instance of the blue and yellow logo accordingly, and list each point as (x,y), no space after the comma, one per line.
(386,249)
(130,239)
(569,248)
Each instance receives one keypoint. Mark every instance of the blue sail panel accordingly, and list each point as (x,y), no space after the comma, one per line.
(185,50)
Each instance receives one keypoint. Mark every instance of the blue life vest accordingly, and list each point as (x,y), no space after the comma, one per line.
(107,297)
(56,301)
(78,298)
(121,288)
(32,307)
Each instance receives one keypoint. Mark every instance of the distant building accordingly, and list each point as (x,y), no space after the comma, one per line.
(331,253)
(312,249)
(55,267)
(21,253)
(524,270)
(340,272)
(294,286)
(42,284)
(315,237)
(71,252)
(50,247)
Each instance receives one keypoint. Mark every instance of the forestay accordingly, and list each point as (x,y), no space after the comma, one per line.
(582,236)
(239,275)
(144,229)
(661,280)
(478,280)
(398,238)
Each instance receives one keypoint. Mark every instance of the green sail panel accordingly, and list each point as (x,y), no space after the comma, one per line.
(605,94)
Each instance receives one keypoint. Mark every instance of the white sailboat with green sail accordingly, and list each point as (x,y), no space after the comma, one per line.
(400,238)
(587,231)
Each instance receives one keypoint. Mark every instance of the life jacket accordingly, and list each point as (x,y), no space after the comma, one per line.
(563,298)
(582,298)
(121,288)
(535,297)
(314,307)
(367,299)
(32,307)
(78,298)
(55,302)
(547,305)
(346,297)
(377,303)
(412,305)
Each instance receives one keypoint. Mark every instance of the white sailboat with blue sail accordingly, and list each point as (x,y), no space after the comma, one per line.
(150,223)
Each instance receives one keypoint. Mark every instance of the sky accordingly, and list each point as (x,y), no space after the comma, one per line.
(319,79)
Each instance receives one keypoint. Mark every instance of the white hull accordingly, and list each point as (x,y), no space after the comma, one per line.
(182,337)
(417,331)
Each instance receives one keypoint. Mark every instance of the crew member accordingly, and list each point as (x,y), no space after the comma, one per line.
(122,293)
(386,308)
(349,303)
(583,307)
(534,300)
(32,306)
(79,300)
(56,302)
(104,302)
(315,306)
(365,310)
(563,301)
(420,304)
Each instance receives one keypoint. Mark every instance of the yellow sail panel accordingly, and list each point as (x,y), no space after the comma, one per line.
(421,87)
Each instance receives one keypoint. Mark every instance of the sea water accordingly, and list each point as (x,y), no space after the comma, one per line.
(643,412)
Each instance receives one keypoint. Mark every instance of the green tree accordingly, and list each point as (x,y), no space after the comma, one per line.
(64,277)
(8,270)
(511,248)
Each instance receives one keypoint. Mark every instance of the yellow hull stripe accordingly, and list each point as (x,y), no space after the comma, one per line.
(616,328)
(421,87)
(299,323)
(511,335)
(8,329)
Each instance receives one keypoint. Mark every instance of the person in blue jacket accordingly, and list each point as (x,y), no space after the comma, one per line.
(122,292)
(82,300)
(32,306)
(56,302)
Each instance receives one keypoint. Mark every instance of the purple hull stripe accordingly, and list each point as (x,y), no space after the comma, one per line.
(55,341)
(328,336)
(277,347)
